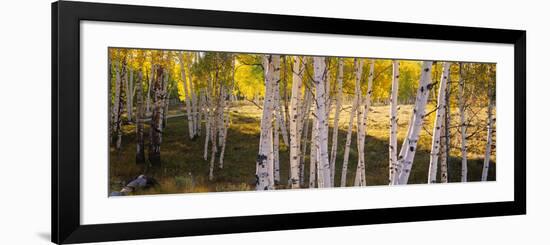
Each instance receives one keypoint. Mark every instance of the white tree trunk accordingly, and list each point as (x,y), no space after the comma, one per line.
(334,147)
(304,129)
(279,115)
(489,144)
(270,157)
(201,110)
(166,106)
(213,115)
(165,97)
(214,148)
(130,95)
(295,122)
(313,153)
(322,125)
(208,118)
(439,117)
(117,108)
(360,179)
(223,120)
(443,157)
(394,101)
(190,125)
(408,150)
(140,146)
(263,175)
(128,92)
(156,119)
(220,116)
(356,101)
(194,102)
(276,168)
(148,100)
(227,121)
(278,123)
(463,142)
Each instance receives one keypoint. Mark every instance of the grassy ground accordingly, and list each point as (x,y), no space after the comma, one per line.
(185,170)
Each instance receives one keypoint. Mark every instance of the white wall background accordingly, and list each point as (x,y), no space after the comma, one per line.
(25,123)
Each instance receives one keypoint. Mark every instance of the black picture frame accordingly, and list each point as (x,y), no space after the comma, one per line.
(66,18)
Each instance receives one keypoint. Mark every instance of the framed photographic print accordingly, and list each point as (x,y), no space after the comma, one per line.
(177,122)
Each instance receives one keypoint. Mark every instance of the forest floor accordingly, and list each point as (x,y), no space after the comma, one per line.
(185,170)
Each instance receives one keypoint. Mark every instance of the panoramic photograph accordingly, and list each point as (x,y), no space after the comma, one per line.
(184,121)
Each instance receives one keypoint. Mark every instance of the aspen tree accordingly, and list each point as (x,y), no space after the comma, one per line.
(295,122)
(156,120)
(319,69)
(263,175)
(140,151)
(304,129)
(408,150)
(489,144)
(439,118)
(117,108)
(360,172)
(190,125)
(394,101)
(313,158)
(463,141)
(334,146)
(354,109)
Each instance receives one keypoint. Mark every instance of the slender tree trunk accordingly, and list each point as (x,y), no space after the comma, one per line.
(128,94)
(334,147)
(220,114)
(447,127)
(111,104)
(156,120)
(278,111)
(140,152)
(214,148)
(281,119)
(200,110)
(446,138)
(394,101)
(190,121)
(304,129)
(285,92)
(319,68)
(276,169)
(408,150)
(278,122)
(360,179)
(227,112)
(214,110)
(208,119)
(439,118)
(166,107)
(194,102)
(328,107)
(150,81)
(262,169)
(463,142)
(314,145)
(443,151)
(354,109)
(117,107)
(489,144)
(294,179)
(224,143)
(358,66)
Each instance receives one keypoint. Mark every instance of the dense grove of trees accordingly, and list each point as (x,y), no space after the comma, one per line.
(301,98)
